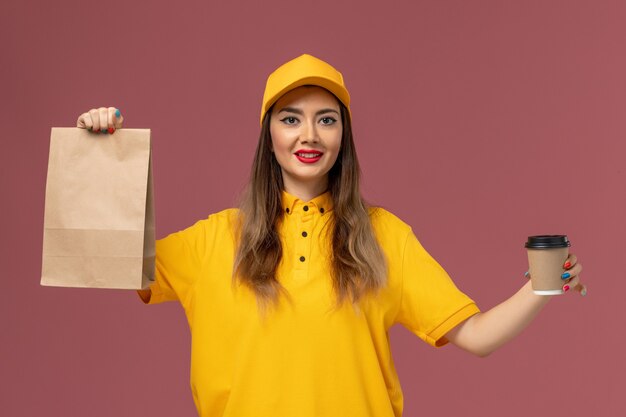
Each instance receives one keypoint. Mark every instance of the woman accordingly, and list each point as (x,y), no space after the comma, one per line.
(291,296)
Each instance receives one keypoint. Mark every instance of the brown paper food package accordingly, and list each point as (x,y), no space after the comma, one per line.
(99,214)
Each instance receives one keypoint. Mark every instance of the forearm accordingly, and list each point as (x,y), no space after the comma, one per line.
(483,333)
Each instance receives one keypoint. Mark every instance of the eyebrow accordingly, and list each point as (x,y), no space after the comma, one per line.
(300,112)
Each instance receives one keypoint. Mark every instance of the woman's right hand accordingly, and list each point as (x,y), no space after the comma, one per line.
(103,119)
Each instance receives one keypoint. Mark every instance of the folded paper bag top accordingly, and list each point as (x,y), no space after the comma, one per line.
(99,213)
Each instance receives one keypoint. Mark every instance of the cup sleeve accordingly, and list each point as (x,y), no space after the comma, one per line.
(430,303)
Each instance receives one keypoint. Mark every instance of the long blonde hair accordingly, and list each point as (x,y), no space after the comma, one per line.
(358,263)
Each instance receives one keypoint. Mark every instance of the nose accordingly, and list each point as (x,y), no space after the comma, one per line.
(309,132)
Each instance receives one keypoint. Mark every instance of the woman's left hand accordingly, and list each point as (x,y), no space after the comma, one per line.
(571,276)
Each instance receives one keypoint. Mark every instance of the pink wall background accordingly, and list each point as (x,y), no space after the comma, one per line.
(478,123)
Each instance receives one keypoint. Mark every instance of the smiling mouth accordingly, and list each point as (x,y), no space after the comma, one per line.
(309,154)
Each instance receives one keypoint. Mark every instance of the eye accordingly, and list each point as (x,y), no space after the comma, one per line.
(328,120)
(289,120)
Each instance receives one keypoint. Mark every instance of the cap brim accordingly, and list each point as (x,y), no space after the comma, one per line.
(337,90)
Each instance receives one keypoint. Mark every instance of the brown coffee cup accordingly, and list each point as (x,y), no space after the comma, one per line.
(546,256)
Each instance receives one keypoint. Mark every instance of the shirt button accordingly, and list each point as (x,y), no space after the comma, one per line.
(321,209)
(302,259)
(305,208)
(303,234)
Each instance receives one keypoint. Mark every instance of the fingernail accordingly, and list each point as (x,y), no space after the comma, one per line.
(567,264)
(103,130)
(526,274)
(583,292)
(111,130)
(117,113)
(565,275)
(566,288)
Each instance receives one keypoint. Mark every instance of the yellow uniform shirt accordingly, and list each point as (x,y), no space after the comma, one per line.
(305,359)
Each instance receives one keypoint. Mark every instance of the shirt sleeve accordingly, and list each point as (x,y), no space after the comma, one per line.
(178,258)
(430,304)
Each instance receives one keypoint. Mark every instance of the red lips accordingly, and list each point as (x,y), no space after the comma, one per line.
(309,152)
(308,156)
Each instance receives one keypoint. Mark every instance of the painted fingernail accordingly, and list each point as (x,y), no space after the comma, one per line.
(566,288)
(565,275)
(103,130)
(117,113)
(567,264)
(111,130)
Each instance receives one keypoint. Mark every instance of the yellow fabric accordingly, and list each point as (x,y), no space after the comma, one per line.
(305,360)
(303,70)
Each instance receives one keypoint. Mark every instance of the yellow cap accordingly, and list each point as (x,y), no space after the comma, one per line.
(303,70)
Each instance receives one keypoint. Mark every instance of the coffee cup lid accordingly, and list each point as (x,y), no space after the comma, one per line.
(547,242)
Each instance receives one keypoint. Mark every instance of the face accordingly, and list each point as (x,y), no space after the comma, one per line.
(306,131)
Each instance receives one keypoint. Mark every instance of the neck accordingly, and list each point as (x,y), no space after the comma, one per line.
(306,191)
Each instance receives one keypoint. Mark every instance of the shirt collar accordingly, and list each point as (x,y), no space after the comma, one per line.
(321,204)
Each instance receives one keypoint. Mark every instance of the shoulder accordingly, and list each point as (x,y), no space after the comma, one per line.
(225,219)
(383,218)
(229,216)
(214,223)
(387,226)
